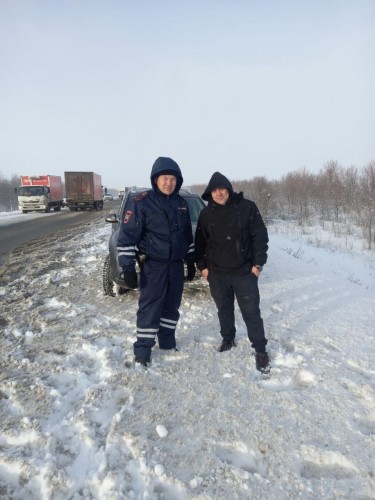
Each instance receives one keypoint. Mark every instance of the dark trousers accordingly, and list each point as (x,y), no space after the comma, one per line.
(224,288)
(161,285)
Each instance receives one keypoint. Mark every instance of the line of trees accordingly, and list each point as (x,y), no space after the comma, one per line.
(345,196)
(334,195)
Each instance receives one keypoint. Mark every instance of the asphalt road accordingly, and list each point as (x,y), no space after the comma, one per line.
(15,230)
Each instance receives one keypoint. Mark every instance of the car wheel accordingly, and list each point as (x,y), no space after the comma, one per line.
(108,282)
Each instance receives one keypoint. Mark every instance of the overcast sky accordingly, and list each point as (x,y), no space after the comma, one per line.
(246,87)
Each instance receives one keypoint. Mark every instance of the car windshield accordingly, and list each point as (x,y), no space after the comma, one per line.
(30,191)
(194,202)
(195,207)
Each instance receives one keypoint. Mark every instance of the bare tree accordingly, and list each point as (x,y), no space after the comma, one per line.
(298,188)
(366,205)
(8,198)
(333,176)
(350,182)
(261,191)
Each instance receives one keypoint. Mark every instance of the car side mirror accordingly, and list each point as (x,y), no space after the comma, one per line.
(111,218)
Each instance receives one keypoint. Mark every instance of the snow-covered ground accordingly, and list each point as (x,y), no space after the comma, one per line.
(77,421)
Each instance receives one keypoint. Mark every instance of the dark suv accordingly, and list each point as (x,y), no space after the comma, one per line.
(112,272)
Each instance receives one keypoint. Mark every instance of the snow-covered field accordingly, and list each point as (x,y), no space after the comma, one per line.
(77,421)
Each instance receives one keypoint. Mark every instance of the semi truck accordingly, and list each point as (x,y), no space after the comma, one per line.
(83,190)
(40,193)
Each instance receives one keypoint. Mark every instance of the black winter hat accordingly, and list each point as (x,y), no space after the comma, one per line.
(217,181)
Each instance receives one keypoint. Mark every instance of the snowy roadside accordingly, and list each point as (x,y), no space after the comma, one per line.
(77,421)
(17,216)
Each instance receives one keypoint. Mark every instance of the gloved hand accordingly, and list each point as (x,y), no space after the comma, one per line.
(130,277)
(190,271)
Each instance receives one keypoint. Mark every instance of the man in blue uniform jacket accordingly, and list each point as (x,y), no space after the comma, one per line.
(159,227)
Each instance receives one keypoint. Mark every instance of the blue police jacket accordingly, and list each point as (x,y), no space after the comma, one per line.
(158,225)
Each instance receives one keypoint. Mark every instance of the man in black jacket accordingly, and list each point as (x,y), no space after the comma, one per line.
(231,244)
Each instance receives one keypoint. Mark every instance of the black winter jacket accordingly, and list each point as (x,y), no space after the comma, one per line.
(230,239)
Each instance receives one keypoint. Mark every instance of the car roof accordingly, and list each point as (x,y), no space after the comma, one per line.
(183,190)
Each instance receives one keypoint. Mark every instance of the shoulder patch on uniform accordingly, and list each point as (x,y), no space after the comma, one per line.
(127,216)
(140,196)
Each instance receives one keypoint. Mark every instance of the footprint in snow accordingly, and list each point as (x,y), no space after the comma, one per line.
(361,370)
(301,379)
(366,426)
(317,464)
(359,391)
(276,308)
(238,456)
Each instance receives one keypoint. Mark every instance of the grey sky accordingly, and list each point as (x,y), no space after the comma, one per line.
(240,86)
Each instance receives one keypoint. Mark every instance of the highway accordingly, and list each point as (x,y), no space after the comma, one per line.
(15,230)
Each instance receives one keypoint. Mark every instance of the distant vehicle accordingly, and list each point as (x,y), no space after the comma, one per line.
(84,190)
(40,193)
(112,272)
(121,194)
(107,197)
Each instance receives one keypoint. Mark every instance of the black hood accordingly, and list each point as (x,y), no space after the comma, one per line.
(217,181)
(166,166)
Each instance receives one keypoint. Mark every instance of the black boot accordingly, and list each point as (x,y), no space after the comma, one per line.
(227,345)
(142,362)
(262,361)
